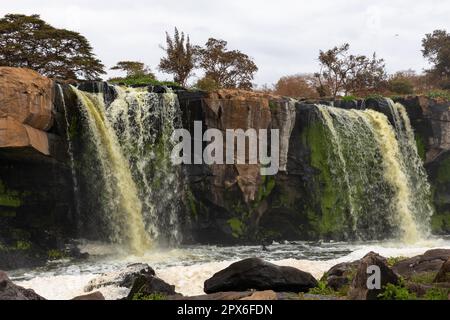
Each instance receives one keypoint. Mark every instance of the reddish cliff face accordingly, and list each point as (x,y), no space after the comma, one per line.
(26,109)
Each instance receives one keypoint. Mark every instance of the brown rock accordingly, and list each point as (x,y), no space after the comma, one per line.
(262,296)
(14,134)
(26,96)
(430,261)
(91,296)
(444,274)
(359,289)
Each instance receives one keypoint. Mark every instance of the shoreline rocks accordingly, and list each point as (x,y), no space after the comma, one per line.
(10,291)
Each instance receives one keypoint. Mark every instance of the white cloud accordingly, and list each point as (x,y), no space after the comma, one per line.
(284,37)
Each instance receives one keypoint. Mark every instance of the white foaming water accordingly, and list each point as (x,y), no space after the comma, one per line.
(187,268)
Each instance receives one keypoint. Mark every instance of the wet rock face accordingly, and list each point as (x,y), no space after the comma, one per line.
(35,182)
(257,274)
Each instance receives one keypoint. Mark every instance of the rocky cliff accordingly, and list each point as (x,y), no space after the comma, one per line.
(223,203)
(35,183)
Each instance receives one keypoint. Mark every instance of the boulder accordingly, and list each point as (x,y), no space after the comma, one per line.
(27,97)
(430,261)
(254,273)
(124,278)
(359,289)
(10,291)
(97,295)
(444,273)
(148,285)
(341,275)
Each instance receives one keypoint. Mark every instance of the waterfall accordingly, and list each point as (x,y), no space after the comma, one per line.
(71,155)
(377,173)
(123,206)
(144,122)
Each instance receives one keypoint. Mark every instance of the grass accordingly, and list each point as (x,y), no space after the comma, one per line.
(437,294)
(424,277)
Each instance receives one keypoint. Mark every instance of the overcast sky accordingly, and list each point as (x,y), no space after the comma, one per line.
(284,37)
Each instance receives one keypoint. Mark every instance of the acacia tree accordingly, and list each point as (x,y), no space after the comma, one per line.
(436,48)
(30,42)
(228,69)
(180,59)
(298,85)
(341,72)
(133,68)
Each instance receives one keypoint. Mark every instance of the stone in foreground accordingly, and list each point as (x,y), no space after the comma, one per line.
(359,289)
(147,285)
(10,291)
(260,275)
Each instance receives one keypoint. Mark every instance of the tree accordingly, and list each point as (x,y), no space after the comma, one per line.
(133,68)
(229,69)
(29,42)
(180,59)
(296,86)
(436,48)
(345,73)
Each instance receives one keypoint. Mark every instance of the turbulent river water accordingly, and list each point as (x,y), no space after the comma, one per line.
(187,267)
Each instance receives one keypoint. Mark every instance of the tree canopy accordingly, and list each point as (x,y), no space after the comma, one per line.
(133,68)
(180,59)
(341,72)
(436,48)
(30,42)
(298,85)
(227,68)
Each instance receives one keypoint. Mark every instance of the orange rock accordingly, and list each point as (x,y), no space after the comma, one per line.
(14,134)
(26,96)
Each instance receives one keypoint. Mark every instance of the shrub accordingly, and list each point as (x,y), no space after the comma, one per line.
(401,86)
(436,294)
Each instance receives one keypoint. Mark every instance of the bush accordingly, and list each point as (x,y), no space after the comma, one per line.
(207,84)
(142,81)
(153,296)
(401,86)
(437,294)
(396,292)
(439,94)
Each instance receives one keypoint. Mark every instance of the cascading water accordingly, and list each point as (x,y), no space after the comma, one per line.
(123,206)
(71,155)
(144,122)
(383,186)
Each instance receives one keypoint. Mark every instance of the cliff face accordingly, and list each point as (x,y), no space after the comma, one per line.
(225,203)
(35,183)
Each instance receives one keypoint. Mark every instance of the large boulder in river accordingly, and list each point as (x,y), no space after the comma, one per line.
(359,289)
(430,261)
(94,296)
(341,275)
(255,273)
(123,278)
(10,291)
